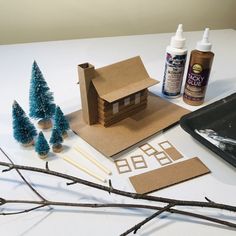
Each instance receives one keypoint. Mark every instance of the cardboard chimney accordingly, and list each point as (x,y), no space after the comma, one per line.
(115,92)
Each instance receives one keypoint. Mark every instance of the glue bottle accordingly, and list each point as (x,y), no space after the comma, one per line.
(176,54)
(198,72)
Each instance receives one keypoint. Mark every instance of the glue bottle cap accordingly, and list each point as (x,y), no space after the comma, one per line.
(178,41)
(204,45)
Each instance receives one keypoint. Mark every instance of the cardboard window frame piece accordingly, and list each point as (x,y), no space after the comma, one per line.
(166,157)
(120,166)
(136,162)
(146,150)
(171,151)
(146,144)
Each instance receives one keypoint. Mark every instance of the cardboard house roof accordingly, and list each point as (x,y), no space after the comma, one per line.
(121,79)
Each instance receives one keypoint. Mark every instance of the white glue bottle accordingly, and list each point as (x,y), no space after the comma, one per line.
(176,55)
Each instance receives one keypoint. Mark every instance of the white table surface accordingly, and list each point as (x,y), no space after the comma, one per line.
(58,62)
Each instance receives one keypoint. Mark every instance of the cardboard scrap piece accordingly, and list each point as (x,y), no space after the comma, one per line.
(168,175)
(171,151)
(158,115)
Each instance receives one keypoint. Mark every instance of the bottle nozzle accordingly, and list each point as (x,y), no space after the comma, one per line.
(178,40)
(204,45)
(179,32)
(206,35)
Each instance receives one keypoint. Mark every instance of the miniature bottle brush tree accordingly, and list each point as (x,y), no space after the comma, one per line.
(23,130)
(60,122)
(56,140)
(41,99)
(41,146)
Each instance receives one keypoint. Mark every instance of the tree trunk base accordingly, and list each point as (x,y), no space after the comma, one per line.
(65,135)
(43,156)
(57,148)
(28,144)
(45,124)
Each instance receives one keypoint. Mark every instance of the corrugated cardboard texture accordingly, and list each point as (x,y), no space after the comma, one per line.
(158,115)
(169,175)
(121,79)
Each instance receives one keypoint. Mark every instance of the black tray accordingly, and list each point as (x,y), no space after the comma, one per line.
(217,121)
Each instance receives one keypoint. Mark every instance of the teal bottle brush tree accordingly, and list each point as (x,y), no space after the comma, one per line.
(60,122)
(41,146)
(23,130)
(56,140)
(41,100)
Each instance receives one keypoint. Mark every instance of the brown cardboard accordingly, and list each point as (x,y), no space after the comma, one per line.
(162,158)
(122,166)
(109,86)
(121,79)
(158,115)
(171,151)
(138,162)
(88,93)
(168,175)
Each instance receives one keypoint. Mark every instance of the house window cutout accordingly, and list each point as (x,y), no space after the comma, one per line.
(171,151)
(165,161)
(160,155)
(127,101)
(115,107)
(148,149)
(137,98)
(122,166)
(139,162)
(162,158)
(165,145)
(145,146)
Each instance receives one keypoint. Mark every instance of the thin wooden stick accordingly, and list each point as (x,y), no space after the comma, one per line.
(94,161)
(84,169)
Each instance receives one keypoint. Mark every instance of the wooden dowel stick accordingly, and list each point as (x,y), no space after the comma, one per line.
(84,169)
(94,161)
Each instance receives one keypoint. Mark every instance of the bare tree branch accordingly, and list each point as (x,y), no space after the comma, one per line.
(13,166)
(118,205)
(139,225)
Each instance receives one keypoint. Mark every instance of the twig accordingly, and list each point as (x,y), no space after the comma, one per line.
(13,166)
(139,225)
(21,212)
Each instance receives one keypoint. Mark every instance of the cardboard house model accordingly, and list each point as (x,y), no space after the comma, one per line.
(115,92)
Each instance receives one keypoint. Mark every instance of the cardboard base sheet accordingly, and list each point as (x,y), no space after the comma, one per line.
(169,175)
(110,141)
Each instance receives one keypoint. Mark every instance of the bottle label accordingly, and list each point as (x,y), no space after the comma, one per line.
(196,82)
(173,75)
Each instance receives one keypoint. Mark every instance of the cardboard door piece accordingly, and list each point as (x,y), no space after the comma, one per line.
(168,175)
(171,151)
